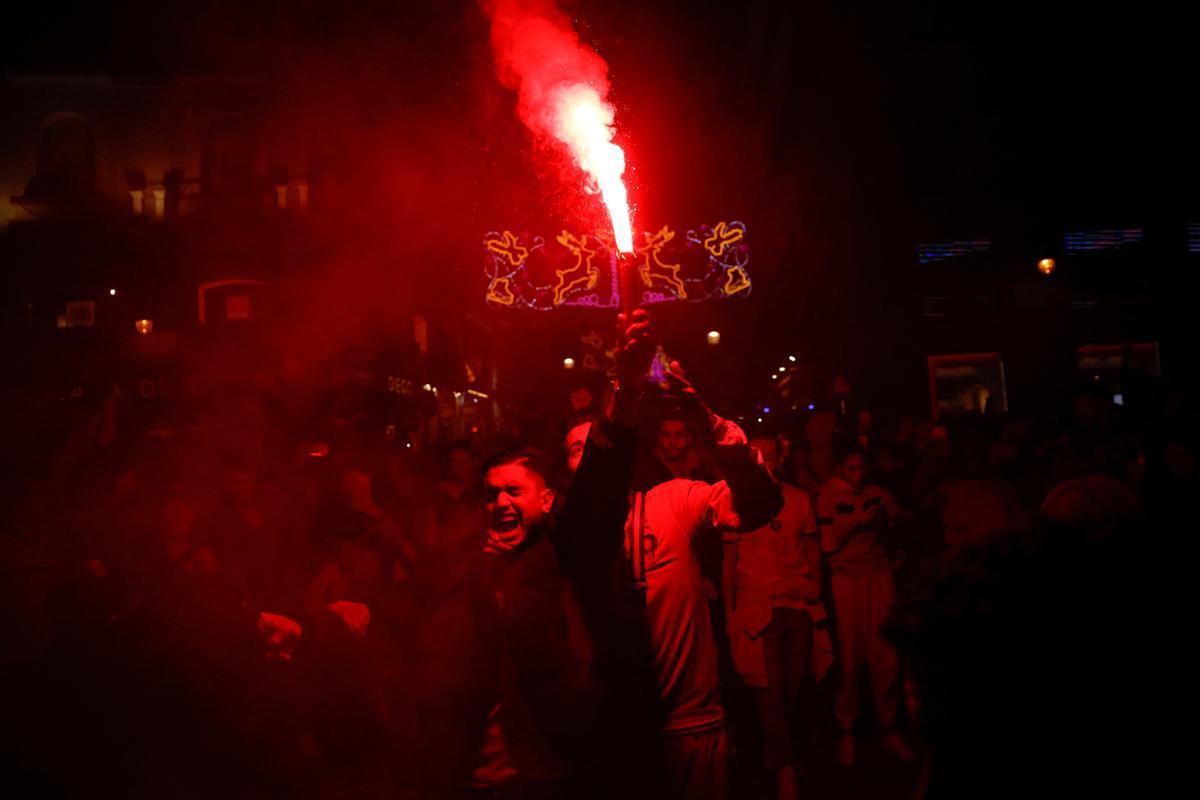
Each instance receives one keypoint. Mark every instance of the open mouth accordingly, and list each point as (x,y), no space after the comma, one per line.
(506,524)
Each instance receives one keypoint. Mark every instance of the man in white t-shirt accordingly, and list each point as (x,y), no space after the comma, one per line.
(661,538)
(772,590)
(852,513)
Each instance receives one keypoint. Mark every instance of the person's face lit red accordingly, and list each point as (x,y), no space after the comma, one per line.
(852,471)
(574,444)
(674,440)
(515,499)
(581,399)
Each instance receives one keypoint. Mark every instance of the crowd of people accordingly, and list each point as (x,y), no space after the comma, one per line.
(654,602)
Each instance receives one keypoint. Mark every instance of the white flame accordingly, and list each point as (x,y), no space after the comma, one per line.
(584,123)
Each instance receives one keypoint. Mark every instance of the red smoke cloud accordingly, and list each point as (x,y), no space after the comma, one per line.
(562,89)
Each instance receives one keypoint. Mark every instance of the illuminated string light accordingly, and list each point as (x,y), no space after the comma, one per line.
(723,235)
(736,281)
(653,268)
(1095,241)
(708,263)
(508,248)
(583,274)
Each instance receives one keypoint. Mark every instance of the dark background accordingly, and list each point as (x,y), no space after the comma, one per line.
(842,135)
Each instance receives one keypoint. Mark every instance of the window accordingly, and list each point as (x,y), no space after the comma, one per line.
(1103,363)
(967,383)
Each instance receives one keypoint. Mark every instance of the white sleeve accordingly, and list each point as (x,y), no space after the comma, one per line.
(709,504)
(728,432)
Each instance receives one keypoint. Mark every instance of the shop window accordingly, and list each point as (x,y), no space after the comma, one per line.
(967,383)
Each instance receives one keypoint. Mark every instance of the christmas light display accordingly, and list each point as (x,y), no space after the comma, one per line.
(707,263)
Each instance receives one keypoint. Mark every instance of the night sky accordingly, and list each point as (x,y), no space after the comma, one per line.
(843,134)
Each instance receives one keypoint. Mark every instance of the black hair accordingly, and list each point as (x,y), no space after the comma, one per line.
(577,419)
(844,447)
(674,413)
(530,458)
(773,437)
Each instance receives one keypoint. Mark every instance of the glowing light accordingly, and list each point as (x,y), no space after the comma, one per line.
(144,326)
(811,406)
(766,409)
(1095,241)
(670,267)
(736,281)
(792,359)
(112,292)
(584,122)
(501,292)
(504,248)
(1046,266)
(667,273)
(783,369)
(714,338)
(508,247)
(568,363)
(723,236)
(760,419)
(583,274)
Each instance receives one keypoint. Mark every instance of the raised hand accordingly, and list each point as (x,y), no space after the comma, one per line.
(635,346)
(280,634)
(356,616)
(680,385)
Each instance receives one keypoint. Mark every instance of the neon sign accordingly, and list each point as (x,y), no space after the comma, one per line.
(579,269)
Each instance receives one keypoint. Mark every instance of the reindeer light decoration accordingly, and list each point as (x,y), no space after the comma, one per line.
(707,263)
